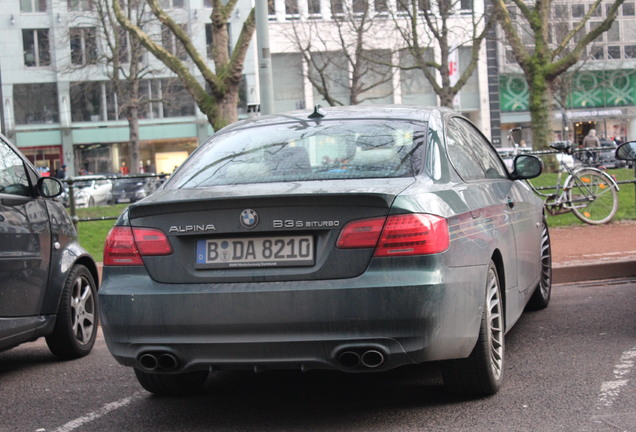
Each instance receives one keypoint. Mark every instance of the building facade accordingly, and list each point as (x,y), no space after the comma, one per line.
(598,93)
(58,101)
(59,105)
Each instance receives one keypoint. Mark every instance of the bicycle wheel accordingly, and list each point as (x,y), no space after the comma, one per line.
(592,196)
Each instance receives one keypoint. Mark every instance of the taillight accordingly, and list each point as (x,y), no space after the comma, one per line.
(361,233)
(397,235)
(413,234)
(125,246)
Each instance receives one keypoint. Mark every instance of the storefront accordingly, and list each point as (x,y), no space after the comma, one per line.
(156,156)
(47,159)
(601,100)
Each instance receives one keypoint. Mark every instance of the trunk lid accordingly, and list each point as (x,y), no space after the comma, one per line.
(262,232)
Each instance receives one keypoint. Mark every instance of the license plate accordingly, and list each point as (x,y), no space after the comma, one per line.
(255,252)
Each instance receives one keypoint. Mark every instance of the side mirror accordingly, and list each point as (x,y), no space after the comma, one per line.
(626,151)
(526,167)
(49,187)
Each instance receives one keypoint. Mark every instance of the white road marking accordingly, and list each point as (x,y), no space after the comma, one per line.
(610,390)
(81,421)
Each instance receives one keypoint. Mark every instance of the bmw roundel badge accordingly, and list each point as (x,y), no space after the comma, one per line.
(249,218)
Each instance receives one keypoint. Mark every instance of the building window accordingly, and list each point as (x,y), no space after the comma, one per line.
(578,11)
(86,101)
(124,47)
(291,8)
(337,7)
(561,30)
(80,5)
(597,53)
(466,5)
(83,45)
(207,3)
(177,102)
(209,41)
(560,11)
(32,5)
(628,9)
(172,44)
(313,7)
(598,11)
(381,6)
(360,6)
(510,57)
(172,4)
(36,47)
(630,51)
(613,53)
(613,33)
(35,103)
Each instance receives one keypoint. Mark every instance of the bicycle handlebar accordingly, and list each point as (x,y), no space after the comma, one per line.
(562,147)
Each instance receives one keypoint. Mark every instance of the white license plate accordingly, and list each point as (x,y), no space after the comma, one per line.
(255,252)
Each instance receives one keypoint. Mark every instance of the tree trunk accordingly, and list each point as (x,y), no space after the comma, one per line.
(540,105)
(227,106)
(133,124)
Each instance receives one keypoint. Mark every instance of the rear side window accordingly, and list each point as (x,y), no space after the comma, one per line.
(471,154)
(306,151)
(461,153)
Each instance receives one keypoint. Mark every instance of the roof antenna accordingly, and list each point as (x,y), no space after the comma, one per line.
(318,113)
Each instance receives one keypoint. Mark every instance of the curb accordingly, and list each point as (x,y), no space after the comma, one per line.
(587,271)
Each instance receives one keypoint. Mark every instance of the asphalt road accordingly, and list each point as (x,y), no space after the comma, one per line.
(569,368)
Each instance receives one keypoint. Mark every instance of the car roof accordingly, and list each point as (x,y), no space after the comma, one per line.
(406,112)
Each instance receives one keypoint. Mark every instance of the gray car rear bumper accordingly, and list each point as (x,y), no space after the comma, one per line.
(397,316)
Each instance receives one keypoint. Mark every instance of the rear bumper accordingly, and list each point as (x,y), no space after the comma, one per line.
(407,316)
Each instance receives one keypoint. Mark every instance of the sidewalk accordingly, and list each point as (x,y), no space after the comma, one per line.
(593,252)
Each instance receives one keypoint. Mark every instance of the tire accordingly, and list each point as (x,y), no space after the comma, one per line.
(481,374)
(76,323)
(602,208)
(541,296)
(173,385)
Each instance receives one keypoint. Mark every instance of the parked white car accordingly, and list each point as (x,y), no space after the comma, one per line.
(91,191)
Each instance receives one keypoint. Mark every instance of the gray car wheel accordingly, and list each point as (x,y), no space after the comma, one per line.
(541,296)
(76,322)
(481,374)
(182,384)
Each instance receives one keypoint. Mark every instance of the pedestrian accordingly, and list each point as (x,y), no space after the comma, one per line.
(591,141)
(61,172)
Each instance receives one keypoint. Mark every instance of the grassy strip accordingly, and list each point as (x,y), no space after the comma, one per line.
(626,200)
(93,234)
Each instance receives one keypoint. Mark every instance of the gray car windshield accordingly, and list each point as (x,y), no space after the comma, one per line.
(296,151)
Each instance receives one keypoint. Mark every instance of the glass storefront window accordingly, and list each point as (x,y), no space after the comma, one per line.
(35,103)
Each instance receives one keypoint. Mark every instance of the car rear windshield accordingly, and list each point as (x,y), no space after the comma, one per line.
(326,150)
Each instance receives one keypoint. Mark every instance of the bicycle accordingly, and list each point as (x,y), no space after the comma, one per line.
(588,192)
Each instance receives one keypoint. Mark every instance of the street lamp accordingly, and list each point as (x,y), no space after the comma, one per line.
(264,58)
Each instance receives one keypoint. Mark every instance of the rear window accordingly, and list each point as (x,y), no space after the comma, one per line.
(352,149)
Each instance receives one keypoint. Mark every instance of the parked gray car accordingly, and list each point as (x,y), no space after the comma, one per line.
(356,239)
(48,282)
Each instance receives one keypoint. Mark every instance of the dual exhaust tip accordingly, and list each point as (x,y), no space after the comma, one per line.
(158,361)
(366,358)
(349,359)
